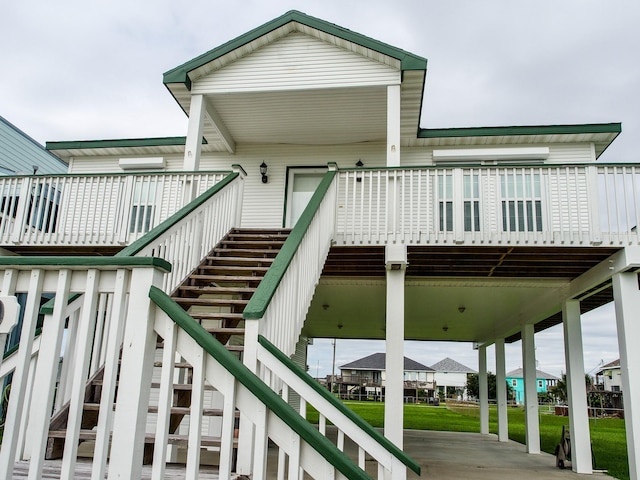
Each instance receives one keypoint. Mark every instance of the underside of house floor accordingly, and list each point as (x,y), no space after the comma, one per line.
(441,455)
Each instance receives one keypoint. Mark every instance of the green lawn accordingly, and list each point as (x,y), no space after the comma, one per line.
(607,434)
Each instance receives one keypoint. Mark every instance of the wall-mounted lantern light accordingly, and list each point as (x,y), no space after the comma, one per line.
(263,172)
(359,164)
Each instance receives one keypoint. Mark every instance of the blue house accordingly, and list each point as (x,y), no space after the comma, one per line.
(544,381)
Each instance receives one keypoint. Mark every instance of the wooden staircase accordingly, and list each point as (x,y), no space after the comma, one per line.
(215,294)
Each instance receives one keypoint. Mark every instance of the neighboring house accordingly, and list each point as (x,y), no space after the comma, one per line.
(366,377)
(452,375)
(544,382)
(22,155)
(484,235)
(609,377)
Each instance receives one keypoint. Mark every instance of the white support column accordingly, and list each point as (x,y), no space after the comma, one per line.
(396,264)
(576,391)
(626,295)
(247,431)
(483,387)
(139,344)
(532,426)
(393,126)
(501,391)
(193,144)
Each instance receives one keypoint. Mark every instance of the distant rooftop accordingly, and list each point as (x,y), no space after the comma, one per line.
(449,365)
(377,361)
(518,373)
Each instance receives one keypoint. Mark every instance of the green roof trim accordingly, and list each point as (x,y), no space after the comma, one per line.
(120,143)
(70,262)
(258,388)
(615,128)
(155,232)
(267,288)
(347,412)
(408,60)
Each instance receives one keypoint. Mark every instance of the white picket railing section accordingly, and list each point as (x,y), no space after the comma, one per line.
(113,209)
(537,205)
(188,239)
(115,310)
(278,369)
(279,306)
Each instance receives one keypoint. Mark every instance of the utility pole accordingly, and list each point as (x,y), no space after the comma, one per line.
(333,367)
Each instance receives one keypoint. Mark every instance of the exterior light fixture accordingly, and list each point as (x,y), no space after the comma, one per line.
(359,164)
(263,172)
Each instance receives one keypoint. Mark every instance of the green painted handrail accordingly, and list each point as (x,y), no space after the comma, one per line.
(273,402)
(267,288)
(350,414)
(71,262)
(155,232)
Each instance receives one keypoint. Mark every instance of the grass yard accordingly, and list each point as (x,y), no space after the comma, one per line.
(607,434)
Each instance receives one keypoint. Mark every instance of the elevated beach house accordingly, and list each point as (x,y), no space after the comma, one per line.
(187,274)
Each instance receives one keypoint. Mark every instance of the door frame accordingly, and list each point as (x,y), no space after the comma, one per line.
(288,186)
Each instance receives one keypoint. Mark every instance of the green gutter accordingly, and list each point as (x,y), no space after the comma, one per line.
(47,308)
(119,143)
(156,232)
(267,287)
(520,130)
(242,374)
(324,393)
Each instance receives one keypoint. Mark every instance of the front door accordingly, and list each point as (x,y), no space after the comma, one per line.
(301,184)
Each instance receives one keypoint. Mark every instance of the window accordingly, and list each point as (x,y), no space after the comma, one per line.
(615,388)
(521,202)
(143,207)
(471,191)
(540,383)
(514,383)
(445,194)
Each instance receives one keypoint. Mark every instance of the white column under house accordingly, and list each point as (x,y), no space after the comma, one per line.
(396,264)
(626,294)
(483,390)
(193,144)
(501,391)
(576,391)
(532,425)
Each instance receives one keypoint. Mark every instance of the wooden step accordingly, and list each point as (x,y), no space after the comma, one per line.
(209,302)
(239,260)
(226,278)
(225,331)
(207,412)
(216,289)
(216,316)
(244,252)
(217,269)
(179,440)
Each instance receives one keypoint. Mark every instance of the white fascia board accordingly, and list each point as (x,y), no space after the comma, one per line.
(141,163)
(488,154)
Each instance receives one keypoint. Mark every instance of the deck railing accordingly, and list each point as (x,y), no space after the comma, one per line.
(537,205)
(100,210)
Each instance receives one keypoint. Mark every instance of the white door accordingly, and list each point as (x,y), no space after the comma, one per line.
(301,184)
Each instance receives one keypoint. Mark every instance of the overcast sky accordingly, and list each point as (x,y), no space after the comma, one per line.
(78,70)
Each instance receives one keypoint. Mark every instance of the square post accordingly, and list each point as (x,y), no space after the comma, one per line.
(532,425)
(576,391)
(483,390)
(501,392)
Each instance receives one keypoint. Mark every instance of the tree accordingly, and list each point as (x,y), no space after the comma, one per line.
(473,386)
(560,389)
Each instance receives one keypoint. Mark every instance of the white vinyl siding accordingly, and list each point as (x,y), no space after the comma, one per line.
(297,61)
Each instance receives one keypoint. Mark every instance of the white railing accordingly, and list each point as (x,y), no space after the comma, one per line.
(279,306)
(537,205)
(100,210)
(185,238)
(371,444)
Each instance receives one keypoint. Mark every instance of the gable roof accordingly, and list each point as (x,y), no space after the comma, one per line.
(19,153)
(377,361)
(518,373)
(610,366)
(449,365)
(180,74)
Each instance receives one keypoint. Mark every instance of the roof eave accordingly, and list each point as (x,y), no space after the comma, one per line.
(407,60)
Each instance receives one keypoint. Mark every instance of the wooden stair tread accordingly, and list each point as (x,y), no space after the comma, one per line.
(216,316)
(259,251)
(207,412)
(232,268)
(239,259)
(173,439)
(228,331)
(227,278)
(209,301)
(216,289)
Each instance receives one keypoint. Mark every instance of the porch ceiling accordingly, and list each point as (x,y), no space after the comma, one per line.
(497,288)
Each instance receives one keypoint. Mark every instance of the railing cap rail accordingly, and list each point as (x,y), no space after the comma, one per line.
(83,262)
